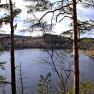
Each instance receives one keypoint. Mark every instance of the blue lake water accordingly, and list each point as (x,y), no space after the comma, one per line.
(33,67)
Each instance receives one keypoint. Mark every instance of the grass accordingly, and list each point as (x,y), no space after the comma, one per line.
(85,88)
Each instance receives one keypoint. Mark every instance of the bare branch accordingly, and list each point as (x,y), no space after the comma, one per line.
(54,10)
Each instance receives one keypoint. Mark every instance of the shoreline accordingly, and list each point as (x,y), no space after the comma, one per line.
(89,53)
(47,41)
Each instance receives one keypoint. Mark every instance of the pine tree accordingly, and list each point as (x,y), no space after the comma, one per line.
(75,51)
(13,75)
(44,85)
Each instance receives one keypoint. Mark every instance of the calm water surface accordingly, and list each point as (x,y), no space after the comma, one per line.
(32,68)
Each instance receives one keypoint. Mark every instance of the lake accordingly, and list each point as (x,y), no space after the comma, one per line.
(33,66)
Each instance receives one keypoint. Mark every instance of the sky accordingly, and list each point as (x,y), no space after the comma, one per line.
(83,14)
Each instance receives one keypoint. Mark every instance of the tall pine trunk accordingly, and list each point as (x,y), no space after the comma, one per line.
(75,51)
(13,77)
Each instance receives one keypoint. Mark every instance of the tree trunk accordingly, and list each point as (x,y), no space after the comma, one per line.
(75,51)
(13,77)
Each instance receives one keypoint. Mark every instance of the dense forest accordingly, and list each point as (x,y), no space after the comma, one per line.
(60,53)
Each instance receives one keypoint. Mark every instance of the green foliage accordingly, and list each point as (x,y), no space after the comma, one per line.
(2,80)
(85,88)
(87,40)
(38,5)
(88,3)
(2,65)
(5,6)
(44,85)
(6,19)
(1,47)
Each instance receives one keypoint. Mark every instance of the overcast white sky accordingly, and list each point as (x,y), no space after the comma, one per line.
(82,14)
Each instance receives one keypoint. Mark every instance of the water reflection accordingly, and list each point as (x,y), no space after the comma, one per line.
(32,67)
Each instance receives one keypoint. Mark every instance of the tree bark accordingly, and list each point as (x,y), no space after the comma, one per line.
(75,51)
(13,77)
